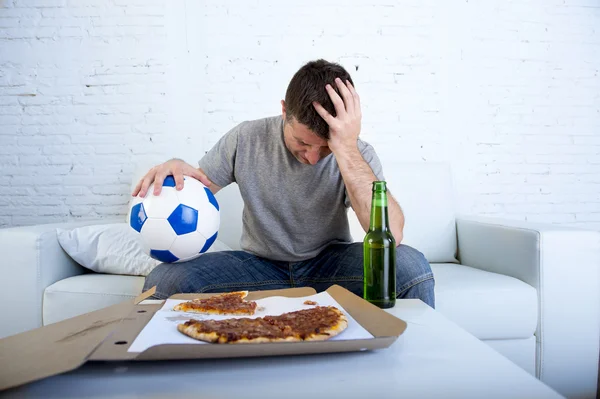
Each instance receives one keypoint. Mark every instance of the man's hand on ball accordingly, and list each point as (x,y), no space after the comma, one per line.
(344,128)
(175,167)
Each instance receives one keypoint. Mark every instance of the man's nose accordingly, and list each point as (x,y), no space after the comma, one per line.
(313,156)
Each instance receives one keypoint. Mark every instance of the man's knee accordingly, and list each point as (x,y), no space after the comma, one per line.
(172,278)
(414,276)
(412,262)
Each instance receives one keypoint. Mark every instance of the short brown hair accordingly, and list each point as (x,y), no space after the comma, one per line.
(308,85)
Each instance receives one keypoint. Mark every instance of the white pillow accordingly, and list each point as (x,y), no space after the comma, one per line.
(112,249)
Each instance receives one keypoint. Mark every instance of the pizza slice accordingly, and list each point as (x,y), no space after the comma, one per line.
(315,324)
(231,303)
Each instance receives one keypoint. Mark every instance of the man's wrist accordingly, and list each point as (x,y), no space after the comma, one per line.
(346,151)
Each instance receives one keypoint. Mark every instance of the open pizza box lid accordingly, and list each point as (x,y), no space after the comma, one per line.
(105,335)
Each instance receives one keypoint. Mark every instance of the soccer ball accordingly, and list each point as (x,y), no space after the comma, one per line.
(176,226)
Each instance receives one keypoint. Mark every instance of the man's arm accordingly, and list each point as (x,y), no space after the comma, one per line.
(358,176)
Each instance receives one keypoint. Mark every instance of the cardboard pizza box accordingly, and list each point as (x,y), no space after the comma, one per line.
(106,334)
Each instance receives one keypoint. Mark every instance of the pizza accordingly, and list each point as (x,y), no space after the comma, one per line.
(315,324)
(231,303)
(309,302)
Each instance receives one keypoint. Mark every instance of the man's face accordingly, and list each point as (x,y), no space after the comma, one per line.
(303,143)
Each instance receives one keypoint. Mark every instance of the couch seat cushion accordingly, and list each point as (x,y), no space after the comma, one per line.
(85,293)
(488,305)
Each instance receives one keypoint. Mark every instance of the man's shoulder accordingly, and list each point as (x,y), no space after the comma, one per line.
(262,125)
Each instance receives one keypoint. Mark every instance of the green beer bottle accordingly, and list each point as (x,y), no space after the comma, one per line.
(379,248)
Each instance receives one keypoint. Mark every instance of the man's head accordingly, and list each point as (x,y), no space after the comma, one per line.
(305,131)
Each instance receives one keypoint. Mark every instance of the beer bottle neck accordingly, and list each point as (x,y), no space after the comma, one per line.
(379,209)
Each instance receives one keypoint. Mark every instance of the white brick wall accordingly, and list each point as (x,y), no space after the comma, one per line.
(508,92)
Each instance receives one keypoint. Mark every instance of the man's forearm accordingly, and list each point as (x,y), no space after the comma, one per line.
(344,129)
(358,178)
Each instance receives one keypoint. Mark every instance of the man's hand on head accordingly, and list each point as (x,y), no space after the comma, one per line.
(344,128)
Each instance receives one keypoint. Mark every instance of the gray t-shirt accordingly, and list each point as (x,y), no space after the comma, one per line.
(292,211)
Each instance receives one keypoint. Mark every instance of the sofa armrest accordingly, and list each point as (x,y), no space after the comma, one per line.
(32,259)
(563,264)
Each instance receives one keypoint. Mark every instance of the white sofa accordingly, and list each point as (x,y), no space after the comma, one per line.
(530,291)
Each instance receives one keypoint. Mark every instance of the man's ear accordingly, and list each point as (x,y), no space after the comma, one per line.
(283,109)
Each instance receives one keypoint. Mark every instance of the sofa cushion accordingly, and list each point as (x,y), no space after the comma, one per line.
(488,305)
(85,293)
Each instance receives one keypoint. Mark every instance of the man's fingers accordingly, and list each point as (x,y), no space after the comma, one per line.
(197,174)
(178,180)
(323,112)
(355,98)
(337,101)
(347,96)
(137,188)
(146,181)
(202,177)
(158,182)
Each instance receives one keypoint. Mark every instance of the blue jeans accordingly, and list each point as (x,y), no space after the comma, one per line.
(340,264)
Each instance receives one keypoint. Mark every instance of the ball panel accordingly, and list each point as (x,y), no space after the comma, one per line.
(169,181)
(208,221)
(135,200)
(208,243)
(163,256)
(162,205)
(188,246)
(183,220)
(137,217)
(158,234)
(211,198)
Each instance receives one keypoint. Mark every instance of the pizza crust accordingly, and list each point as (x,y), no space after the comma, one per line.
(341,325)
(190,331)
(239,312)
(213,337)
(213,306)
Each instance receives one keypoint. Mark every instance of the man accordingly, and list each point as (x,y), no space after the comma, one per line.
(297,174)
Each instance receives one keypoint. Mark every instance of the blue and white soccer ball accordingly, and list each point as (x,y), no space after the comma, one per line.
(176,226)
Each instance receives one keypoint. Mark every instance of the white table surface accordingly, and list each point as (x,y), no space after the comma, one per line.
(434,358)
